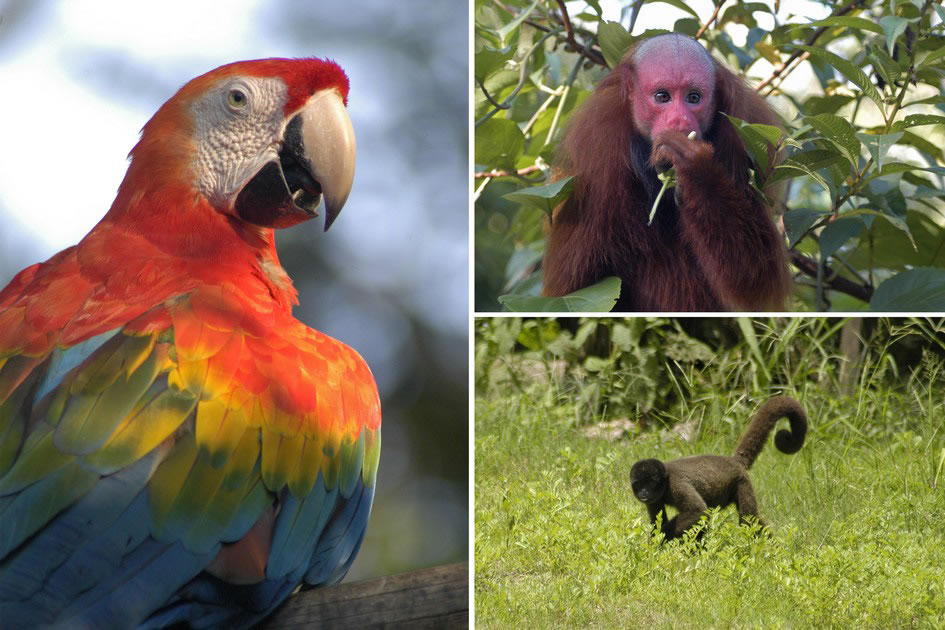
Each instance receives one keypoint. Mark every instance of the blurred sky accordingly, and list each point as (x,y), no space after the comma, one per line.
(79,81)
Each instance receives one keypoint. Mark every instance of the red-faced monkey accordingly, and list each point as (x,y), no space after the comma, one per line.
(713,245)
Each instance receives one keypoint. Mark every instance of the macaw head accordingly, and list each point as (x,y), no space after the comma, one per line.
(262,141)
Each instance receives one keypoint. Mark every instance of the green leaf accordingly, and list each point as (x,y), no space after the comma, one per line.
(614,41)
(599,297)
(596,6)
(923,145)
(814,158)
(828,104)
(893,27)
(839,232)
(757,138)
(547,197)
(920,246)
(941,17)
(850,22)
(896,221)
(933,56)
(797,222)
(878,145)
(917,120)
(489,60)
(512,26)
(499,143)
(850,71)
(884,64)
(917,290)
(806,162)
(748,333)
(839,132)
(679,4)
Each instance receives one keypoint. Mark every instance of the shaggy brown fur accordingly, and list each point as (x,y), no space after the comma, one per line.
(694,484)
(713,246)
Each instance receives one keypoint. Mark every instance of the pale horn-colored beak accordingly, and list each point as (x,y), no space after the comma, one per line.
(328,141)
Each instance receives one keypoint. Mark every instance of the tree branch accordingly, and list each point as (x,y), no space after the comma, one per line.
(437,597)
(832,281)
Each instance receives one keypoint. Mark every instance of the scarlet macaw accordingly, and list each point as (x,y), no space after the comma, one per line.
(174,445)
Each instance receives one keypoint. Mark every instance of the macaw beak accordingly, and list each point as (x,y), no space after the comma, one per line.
(316,160)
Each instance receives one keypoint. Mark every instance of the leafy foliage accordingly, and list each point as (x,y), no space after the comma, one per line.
(610,368)
(862,146)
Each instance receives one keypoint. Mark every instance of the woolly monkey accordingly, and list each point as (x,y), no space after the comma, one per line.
(694,484)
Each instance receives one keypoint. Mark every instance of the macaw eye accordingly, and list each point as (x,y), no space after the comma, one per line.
(236,99)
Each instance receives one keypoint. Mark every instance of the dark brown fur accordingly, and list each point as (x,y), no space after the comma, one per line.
(694,484)
(719,250)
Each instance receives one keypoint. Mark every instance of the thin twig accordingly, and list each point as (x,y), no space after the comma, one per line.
(715,14)
(569,31)
(527,170)
(810,42)
(488,96)
(523,72)
(564,97)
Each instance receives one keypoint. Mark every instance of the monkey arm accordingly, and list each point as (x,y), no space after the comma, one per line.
(727,227)
(654,510)
(567,266)
(691,507)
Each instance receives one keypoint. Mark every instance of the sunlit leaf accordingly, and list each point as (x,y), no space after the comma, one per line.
(614,41)
(850,71)
(936,54)
(488,60)
(499,143)
(758,139)
(679,4)
(878,145)
(839,132)
(850,22)
(917,120)
(893,27)
(887,67)
(511,27)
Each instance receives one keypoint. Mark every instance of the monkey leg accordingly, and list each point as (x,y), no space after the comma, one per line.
(745,502)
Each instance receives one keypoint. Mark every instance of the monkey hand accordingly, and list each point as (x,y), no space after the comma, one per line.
(674,149)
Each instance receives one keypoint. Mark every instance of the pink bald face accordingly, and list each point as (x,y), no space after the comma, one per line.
(673,84)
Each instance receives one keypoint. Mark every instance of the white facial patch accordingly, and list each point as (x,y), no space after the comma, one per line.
(238,128)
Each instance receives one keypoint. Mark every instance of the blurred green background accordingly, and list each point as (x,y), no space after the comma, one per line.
(389,279)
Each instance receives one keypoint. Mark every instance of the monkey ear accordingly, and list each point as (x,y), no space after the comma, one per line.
(624,73)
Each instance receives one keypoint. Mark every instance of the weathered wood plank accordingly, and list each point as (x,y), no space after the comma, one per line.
(437,597)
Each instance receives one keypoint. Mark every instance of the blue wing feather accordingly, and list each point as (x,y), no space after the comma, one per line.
(77,550)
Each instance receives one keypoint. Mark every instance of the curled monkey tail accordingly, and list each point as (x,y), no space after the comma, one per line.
(764,420)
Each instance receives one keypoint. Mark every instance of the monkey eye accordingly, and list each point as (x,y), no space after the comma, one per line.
(693,97)
(661,97)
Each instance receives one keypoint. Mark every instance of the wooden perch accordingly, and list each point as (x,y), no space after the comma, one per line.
(437,597)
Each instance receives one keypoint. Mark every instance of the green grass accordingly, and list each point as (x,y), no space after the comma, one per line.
(857,523)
